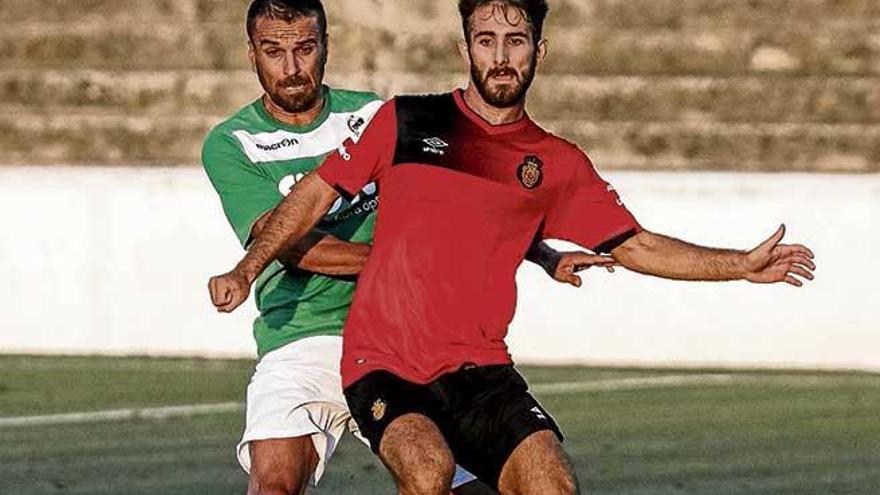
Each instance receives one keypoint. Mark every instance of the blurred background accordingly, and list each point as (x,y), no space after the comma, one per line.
(716,120)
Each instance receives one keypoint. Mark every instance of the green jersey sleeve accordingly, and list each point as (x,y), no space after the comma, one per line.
(246,192)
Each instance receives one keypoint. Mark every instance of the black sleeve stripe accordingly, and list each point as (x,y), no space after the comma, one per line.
(607,246)
(342,192)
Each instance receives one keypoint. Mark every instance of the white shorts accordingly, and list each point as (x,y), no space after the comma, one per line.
(296,391)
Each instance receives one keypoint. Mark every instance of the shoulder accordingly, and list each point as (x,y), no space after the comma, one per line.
(426,108)
(221,144)
(573,162)
(222,135)
(566,150)
(428,101)
(346,100)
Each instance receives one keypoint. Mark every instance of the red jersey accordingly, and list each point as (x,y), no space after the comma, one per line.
(461,201)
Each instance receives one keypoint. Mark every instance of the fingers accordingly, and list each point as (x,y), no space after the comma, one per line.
(793,281)
(573,280)
(227,292)
(607,265)
(220,293)
(582,261)
(799,259)
(773,240)
(798,249)
(797,270)
(585,259)
(570,278)
(229,307)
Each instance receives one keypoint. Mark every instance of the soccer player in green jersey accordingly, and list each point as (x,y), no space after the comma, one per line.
(296,412)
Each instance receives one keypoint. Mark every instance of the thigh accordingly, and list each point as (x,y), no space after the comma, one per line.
(398,418)
(281,465)
(295,397)
(414,450)
(538,465)
(491,413)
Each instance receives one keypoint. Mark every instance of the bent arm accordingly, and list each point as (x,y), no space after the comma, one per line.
(661,256)
(320,252)
(289,223)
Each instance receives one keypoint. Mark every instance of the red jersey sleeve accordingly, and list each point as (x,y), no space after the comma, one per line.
(364,159)
(588,211)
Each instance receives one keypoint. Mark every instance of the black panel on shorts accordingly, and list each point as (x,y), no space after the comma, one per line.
(483,412)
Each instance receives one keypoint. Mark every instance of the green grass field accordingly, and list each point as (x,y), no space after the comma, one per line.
(692,432)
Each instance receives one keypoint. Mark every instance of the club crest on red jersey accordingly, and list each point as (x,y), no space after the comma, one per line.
(378,409)
(529,172)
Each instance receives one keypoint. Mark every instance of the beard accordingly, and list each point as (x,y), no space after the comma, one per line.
(305,97)
(508,94)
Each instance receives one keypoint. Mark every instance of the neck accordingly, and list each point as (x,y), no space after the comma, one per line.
(303,118)
(491,114)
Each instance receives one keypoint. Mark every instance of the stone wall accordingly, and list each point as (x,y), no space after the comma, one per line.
(770,85)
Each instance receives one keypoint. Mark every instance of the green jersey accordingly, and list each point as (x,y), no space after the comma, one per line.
(253,160)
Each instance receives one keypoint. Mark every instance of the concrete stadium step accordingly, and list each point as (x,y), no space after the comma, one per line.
(394,13)
(719,146)
(635,98)
(95,140)
(792,49)
(634,145)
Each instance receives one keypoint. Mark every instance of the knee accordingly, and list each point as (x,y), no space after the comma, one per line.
(434,477)
(277,483)
(567,484)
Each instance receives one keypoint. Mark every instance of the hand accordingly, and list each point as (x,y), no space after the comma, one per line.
(573,262)
(772,262)
(229,290)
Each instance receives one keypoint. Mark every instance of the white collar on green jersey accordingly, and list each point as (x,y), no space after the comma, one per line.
(285,144)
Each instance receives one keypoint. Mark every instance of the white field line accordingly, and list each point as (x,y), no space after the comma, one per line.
(635,383)
(560,388)
(122,414)
(709,379)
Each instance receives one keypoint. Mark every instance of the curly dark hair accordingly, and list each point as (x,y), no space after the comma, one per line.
(534,11)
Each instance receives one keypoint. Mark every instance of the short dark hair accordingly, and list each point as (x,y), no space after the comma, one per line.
(286,10)
(535,11)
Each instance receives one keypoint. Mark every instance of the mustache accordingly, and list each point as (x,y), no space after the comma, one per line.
(502,71)
(293,81)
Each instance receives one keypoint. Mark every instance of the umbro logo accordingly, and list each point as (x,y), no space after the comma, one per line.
(435,145)
(538,412)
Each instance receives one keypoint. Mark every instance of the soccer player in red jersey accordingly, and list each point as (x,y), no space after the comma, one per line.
(467,181)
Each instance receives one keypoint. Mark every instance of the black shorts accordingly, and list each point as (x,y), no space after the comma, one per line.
(483,412)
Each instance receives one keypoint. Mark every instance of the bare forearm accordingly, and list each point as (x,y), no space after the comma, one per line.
(292,219)
(666,257)
(322,253)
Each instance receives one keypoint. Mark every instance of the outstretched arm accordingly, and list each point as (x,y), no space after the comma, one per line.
(292,219)
(320,252)
(662,256)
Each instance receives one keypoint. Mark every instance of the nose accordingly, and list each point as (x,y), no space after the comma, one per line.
(291,64)
(502,55)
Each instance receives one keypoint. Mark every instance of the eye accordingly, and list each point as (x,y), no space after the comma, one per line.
(516,42)
(485,41)
(307,49)
(274,52)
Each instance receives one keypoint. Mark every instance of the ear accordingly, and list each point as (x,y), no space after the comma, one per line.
(542,51)
(465,53)
(252,56)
